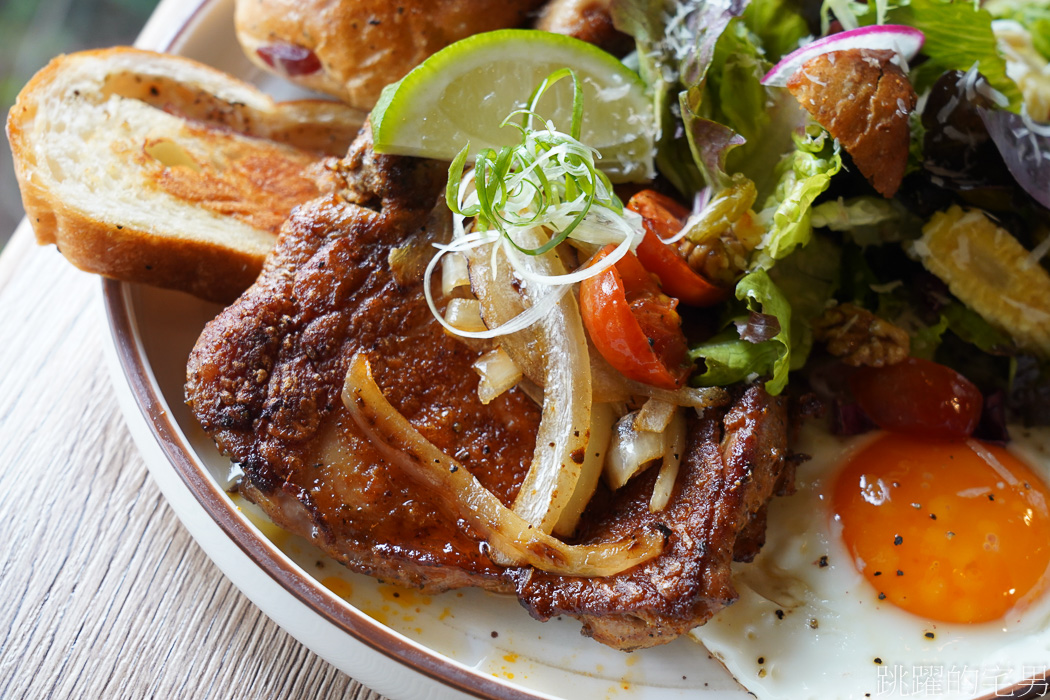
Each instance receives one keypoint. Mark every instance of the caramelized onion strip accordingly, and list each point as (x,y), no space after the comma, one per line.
(631,451)
(700,398)
(553,350)
(664,486)
(612,387)
(510,536)
(655,415)
(498,374)
(602,419)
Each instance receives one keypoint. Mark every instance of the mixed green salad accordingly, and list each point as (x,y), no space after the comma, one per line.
(979,142)
(840,194)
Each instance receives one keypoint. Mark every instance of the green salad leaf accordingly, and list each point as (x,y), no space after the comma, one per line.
(704,61)
(958,34)
(728,358)
(808,279)
(973,329)
(778,24)
(868,220)
(801,177)
(733,95)
(675,43)
(926,339)
(658,56)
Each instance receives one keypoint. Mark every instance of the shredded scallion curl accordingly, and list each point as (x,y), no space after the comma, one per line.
(548,180)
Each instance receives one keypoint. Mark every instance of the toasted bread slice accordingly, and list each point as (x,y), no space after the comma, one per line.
(152,168)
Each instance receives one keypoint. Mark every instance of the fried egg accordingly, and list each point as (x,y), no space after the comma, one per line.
(901,567)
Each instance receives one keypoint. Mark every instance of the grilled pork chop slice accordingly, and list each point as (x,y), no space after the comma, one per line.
(265,378)
(734,462)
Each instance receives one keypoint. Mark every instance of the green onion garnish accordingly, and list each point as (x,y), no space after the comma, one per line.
(547,180)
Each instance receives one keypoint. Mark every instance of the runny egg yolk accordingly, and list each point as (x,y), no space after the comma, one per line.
(952,531)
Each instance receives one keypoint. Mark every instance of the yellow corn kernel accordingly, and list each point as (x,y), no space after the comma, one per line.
(991,272)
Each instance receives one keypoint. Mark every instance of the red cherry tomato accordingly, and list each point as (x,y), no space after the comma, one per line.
(918,397)
(663,217)
(633,325)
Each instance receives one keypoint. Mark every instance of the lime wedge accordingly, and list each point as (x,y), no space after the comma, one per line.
(464,92)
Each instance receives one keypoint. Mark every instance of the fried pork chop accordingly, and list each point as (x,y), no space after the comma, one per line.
(264,381)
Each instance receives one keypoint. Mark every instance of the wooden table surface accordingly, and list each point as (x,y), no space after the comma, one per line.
(105,593)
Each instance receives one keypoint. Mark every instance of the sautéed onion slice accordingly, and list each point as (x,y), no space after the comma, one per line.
(511,537)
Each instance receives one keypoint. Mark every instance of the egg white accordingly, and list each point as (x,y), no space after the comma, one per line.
(806,626)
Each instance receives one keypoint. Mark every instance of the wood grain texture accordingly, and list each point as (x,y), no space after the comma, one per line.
(105,594)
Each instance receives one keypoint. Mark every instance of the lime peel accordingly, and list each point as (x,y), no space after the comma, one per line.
(462,93)
(547,181)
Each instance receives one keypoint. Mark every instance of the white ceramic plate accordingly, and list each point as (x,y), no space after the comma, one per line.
(459,644)
(406,646)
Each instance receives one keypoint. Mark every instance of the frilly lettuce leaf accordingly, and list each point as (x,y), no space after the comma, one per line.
(675,44)
(734,96)
(647,21)
(811,277)
(868,220)
(703,61)
(973,329)
(958,34)
(728,358)
(926,339)
(846,214)
(808,279)
(778,24)
(801,177)
(709,141)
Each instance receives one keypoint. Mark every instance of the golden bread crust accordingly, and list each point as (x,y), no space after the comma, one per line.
(863,100)
(389,38)
(214,165)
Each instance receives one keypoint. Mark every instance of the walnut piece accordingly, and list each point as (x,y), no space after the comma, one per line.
(723,257)
(719,260)
(859,337)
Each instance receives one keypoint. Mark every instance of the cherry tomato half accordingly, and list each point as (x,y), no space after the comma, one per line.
(663,217)
(918,397)
(633,324)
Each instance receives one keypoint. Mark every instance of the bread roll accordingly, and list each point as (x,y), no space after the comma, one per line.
(352,49)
